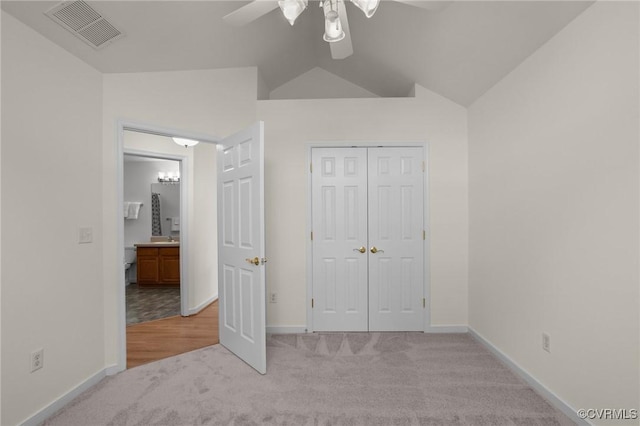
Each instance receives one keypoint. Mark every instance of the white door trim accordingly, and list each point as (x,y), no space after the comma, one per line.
(121,126)
(427,219)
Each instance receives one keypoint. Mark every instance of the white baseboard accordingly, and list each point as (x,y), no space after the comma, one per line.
(447,329)
(48,411)
(297,329)
(286,329)
(546,393)
(197,309)
(113,370)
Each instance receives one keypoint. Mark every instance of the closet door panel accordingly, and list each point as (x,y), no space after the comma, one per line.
(339,223)
(396,246)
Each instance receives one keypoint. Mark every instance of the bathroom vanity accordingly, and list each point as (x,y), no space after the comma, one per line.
(158,264)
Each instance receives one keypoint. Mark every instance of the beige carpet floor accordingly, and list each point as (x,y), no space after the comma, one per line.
(321,379)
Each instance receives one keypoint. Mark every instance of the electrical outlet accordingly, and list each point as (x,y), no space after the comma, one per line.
(273,298)
(37,360)
(85,235)
(546,342)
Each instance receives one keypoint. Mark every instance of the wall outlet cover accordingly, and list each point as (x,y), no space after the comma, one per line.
(37,360)
(546,342)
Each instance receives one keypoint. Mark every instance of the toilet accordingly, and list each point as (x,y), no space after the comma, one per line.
(129,260)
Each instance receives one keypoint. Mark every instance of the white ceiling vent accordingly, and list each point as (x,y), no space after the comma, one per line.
(85,23)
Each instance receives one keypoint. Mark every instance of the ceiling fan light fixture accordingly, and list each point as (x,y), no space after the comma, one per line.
(185,142)
(291,9)
(333,31)
(369,7)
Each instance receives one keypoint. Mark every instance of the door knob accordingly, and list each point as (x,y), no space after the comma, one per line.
(255,260)
(361,249)
(375,250)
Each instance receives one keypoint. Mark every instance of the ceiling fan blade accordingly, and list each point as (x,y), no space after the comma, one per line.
(343,48)
(250,12)
(432,5)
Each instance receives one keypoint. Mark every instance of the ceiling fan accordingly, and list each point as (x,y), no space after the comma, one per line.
(336,26)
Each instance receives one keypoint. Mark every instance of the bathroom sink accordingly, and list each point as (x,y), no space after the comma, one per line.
(159,239)
(159,243)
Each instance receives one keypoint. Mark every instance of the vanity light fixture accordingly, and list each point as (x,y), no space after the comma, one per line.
(185,142)
(169,177)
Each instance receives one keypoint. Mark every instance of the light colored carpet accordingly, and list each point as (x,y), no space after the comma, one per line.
(321,379)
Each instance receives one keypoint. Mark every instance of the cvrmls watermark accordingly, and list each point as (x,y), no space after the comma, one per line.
(608,413)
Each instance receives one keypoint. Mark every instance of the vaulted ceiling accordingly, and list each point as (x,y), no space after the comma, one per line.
(458,52)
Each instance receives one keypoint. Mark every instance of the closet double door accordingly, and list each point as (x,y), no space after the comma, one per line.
(368,239)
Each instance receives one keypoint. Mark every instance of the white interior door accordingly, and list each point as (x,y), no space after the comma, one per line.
(241,246)
(396,245)
(339,197)
(368,239)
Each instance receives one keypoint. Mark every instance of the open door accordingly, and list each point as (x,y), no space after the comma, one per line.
(241,246)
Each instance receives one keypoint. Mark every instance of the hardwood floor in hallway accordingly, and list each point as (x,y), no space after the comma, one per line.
(155,340)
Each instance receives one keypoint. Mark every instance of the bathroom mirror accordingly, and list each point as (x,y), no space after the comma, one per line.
(165,209)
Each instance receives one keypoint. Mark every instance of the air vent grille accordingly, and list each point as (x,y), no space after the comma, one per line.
(77,15)
(100,32)
(85,22)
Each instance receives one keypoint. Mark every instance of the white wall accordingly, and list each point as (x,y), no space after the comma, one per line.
(0,223)
(553,171)
(204,222)
(51,185)
(138,179)
(210,102)
(1,20)
(318,83)
(289,124)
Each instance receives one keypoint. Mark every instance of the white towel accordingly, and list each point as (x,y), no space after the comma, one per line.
(126,205)
(175,224)
(134,210)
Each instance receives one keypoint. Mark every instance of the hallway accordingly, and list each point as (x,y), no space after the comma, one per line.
(163,338)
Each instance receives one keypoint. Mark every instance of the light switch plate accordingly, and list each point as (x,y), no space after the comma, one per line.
(85,235)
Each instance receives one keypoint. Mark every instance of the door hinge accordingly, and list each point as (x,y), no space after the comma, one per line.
(423,167)
(310,167)
(311,235)
(424,234)
(311,303)
(424,302)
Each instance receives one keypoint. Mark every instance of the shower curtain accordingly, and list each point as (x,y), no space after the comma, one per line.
(156,227)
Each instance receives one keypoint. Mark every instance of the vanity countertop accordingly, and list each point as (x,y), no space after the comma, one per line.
(159,244)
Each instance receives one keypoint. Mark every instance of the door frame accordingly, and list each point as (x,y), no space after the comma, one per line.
(139,127)
(426,218)
(184,225)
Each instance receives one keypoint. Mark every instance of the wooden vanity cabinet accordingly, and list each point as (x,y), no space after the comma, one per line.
(147,265)
(158,266)
(169,265)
